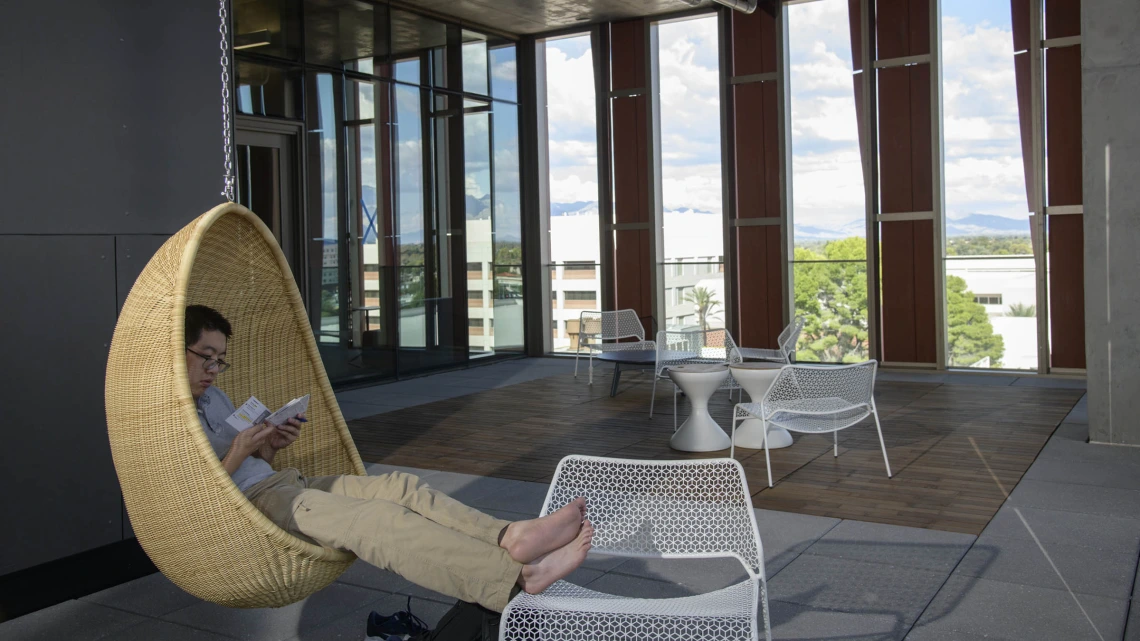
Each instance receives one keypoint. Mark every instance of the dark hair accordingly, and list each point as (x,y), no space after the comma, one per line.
(200,318)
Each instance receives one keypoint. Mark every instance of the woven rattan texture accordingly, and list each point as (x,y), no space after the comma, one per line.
(188,515)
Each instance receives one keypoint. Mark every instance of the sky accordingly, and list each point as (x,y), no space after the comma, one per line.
(981,138)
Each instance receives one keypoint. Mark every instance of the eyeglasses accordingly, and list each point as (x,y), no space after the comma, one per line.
(210,362)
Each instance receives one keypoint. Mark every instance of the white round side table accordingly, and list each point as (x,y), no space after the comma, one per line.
(756,378)
(700,432)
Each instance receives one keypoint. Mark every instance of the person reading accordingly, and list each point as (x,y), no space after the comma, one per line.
(393,521)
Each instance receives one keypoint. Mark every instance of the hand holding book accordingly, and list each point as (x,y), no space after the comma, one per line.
(254,412)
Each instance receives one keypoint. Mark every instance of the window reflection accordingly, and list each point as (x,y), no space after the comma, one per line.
(507,220)
(267,90)
(504,82)
(268,28)
(324,198)
(474,63)
(346,33)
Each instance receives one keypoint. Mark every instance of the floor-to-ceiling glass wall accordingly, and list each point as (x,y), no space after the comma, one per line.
(991,287)
(575,268)
(828,212)
(404,115)
(692,266)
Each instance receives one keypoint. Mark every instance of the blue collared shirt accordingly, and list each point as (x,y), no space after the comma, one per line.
(214,407)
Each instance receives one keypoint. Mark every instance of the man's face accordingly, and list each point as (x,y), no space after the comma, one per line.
(212,345)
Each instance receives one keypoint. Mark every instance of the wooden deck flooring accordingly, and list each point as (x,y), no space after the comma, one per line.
(956,450)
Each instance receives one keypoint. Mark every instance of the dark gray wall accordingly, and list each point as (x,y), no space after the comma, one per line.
(1110,88)
(111,141)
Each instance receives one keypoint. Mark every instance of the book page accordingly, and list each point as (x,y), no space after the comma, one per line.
(251,412)
(289,410)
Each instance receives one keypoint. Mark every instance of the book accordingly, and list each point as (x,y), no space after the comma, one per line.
(254,412)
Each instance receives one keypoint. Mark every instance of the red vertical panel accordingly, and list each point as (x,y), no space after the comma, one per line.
(1021,71)
(1062,18)
(1019,13)
(1064,183)
(627,54)
(897,259)
(1063,125)
(632,257)
(775,276)
(757,117)
(925,334)
(896,174)
(921,153)
(855,26)
(906,175)
(1066,291)
(753,43)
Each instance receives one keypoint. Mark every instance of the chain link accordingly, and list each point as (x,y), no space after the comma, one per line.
(228,176)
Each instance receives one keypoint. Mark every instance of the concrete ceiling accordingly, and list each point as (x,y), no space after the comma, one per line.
(537,16)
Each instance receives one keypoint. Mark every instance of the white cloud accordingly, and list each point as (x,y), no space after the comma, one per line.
(572,188)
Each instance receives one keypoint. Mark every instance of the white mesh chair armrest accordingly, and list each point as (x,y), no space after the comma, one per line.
(852,383)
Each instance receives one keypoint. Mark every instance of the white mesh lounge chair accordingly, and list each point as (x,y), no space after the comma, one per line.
(816,399)
(786,345)
(656,509)
(689,347)
(596,328)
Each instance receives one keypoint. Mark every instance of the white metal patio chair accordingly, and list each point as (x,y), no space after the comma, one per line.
(815,399)
(675,348)
(786,345)
(654,509)
(609,326)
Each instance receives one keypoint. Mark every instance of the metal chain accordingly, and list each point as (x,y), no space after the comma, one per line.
(228,176)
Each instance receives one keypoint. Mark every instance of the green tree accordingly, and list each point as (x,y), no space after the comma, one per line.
(833,299)
(972,335)
(704,299)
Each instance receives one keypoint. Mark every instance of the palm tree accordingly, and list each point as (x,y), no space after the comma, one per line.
(704,299)
(1022,310)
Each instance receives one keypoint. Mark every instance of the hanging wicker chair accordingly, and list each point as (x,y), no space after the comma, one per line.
(188,515)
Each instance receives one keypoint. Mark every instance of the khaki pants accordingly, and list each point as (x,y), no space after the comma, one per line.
(396,522)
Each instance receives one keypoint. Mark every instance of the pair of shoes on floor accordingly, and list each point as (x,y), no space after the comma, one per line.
(401,626)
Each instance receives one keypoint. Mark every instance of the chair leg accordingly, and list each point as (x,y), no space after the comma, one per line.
(732,438)
(674,408)
(767,457)
(882,444)
(836,435)
(653,395)
(576,353)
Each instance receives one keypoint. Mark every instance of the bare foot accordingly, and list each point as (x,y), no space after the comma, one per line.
(525,541)
(544,571)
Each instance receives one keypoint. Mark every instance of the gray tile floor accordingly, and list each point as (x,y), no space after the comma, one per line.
(1057,562)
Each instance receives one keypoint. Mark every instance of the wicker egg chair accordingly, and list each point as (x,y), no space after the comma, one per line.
(188,515)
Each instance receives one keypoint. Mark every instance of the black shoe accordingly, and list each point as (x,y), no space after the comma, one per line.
(402,624)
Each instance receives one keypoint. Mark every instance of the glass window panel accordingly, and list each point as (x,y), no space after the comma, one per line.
(267,90)
(690,165)
(574,225)
(504,72)
(507,221)
(268,27)
(991,287)
(324,194)
(346,33)
(475,63)
(409,178)
(832,298)
(408,71)
(828,212)
(477,178)
(368,208)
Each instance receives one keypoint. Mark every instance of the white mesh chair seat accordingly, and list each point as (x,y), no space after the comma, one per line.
(815,399)
(786,345)
(600,332)
(656,509)
(574,612)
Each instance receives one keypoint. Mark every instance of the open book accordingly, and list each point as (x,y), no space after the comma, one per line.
(254,412)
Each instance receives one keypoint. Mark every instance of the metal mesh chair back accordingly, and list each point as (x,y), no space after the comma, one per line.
(790,336)
(816,388)
(607,326)
(670,509)
(695,346)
